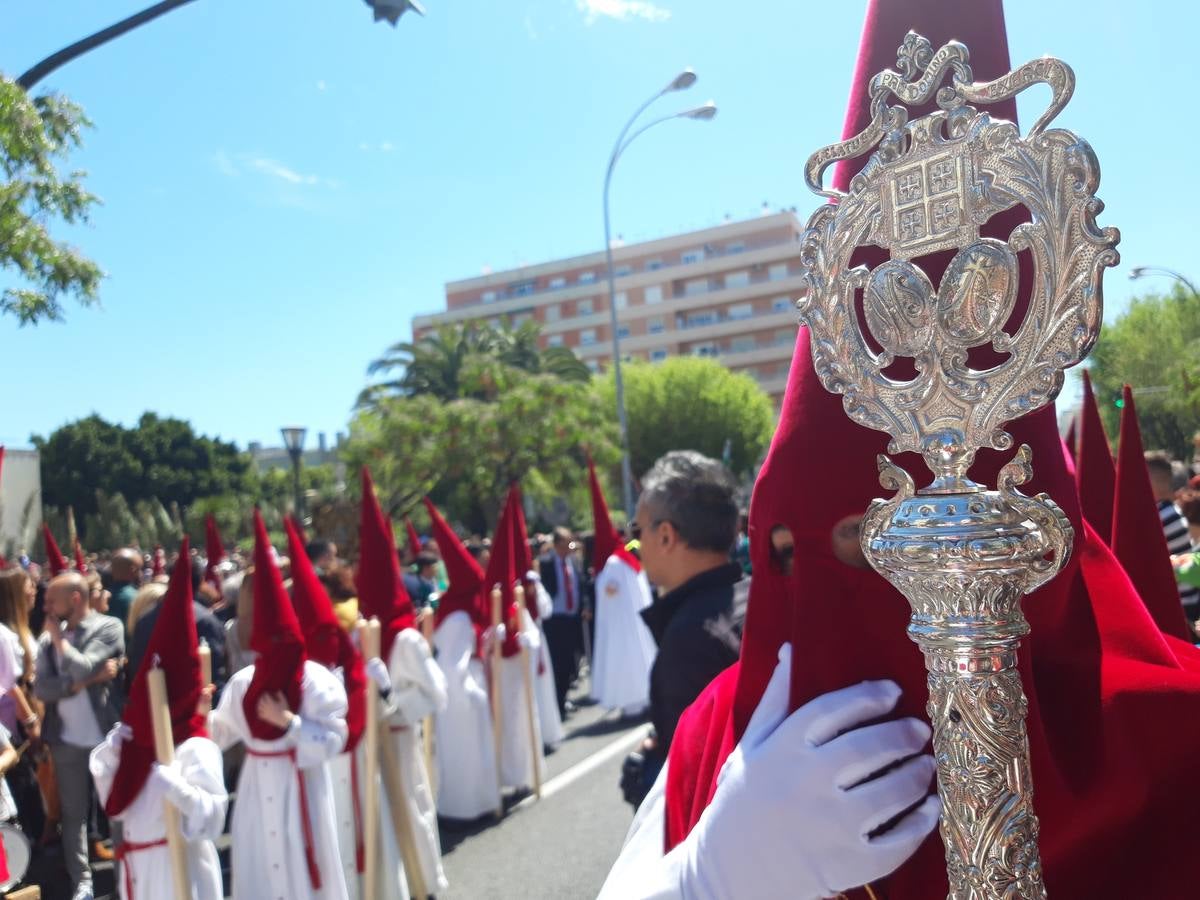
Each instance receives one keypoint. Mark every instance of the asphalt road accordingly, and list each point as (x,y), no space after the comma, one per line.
(563,845)
(557,848)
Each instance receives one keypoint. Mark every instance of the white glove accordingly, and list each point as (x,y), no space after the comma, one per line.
(174,786)
(791,814)
(117,735)
(379,674)
(495,633)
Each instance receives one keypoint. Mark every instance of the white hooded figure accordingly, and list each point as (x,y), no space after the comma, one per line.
(193,784)
(625,648)
(283,781)
(517,756)
(543,684)
(466,758)
(417,690)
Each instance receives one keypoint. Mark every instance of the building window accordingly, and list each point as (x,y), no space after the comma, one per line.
(691,256)
(653,264)
(736,247)
(593,366)
(658,355)
(708,348)
(737,279)
(622,331)
(488,297)
(740,311)
(782,304)
(742,344)
(622,271)
(621,298)
(652,294)
(584,307)
(784,336)
(522,288)
(655,326)
(520,319)
(494,322)
(700,319)
(695,286)
(587,337)
(778,272)
(554,340)
(587,277)
(552,313)
(556,283)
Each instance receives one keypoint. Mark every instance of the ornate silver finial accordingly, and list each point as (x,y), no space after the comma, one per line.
(963,555)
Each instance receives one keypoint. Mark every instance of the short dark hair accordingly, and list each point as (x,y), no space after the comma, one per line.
(318,547)
(562,534)
(696,495)
(425,559)
(475,549)
(1159,463)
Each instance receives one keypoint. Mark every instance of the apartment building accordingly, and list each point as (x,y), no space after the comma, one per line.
(728,292)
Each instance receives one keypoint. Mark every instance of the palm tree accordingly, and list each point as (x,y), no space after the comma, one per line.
(437,364)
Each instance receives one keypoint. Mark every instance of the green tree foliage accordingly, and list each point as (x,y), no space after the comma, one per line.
(161,458)
(692,403)
(35,135)
(1154,346)
(446,363)
(508,425)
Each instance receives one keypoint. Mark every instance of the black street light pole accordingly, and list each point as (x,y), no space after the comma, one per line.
(293,440)
(384,10)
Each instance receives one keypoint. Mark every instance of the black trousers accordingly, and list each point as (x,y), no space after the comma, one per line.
(564,634)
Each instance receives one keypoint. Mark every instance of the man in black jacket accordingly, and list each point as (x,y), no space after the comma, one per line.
(563,580)
(687,521)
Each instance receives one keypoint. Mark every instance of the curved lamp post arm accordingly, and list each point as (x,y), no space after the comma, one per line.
(92,41)
(1139,271)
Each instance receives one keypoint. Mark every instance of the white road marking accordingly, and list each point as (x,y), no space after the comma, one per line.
(623,744)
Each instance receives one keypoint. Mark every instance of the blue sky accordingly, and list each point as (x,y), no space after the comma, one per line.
(285,183)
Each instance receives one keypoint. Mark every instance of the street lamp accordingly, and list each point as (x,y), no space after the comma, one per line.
(680,82)
(1142,271)
(385,10)
(293,440)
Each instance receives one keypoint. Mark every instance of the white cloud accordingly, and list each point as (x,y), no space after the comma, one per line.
(530,29)
(243,162)
(621,10)
(386,147)
(321,86)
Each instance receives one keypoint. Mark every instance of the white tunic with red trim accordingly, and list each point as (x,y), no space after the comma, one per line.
(625,649)
(418,691)
(516,754)
(147,866)
(270,843)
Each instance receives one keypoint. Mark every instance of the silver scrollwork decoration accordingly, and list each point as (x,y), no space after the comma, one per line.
(962,554)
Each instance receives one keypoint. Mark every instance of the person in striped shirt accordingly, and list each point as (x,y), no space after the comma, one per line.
(1175,526)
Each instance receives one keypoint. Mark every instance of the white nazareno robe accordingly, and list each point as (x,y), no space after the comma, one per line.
(466,759)
(625,649)
(516,755)
(418,691)
(268,856)
(543,684)
(346,770)
(148,872)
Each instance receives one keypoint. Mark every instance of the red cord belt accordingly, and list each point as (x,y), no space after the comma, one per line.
(310,856)
(127,847)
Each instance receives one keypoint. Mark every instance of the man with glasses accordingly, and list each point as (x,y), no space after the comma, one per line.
(687,521)
(563,581)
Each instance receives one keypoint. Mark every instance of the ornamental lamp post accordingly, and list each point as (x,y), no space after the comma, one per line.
(680,82)
(293,440)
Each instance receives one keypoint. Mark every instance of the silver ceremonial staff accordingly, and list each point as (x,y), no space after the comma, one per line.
(964,555)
